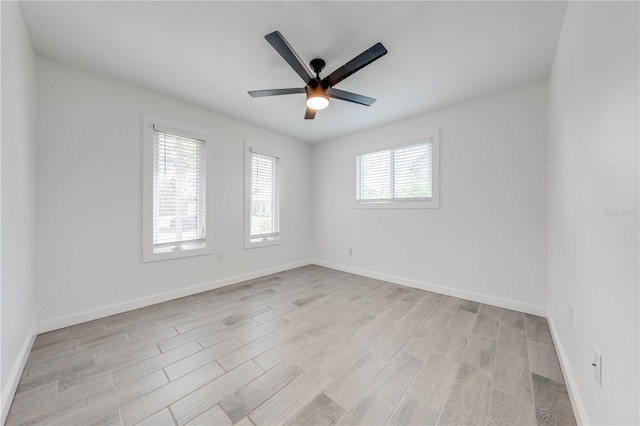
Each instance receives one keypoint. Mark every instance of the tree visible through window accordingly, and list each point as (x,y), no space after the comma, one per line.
(264,220)
(179,192)
(395,174)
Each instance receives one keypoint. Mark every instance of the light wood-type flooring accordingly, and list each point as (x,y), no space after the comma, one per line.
(309,346)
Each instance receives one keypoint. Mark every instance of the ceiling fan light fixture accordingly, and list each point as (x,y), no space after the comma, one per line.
(317,98)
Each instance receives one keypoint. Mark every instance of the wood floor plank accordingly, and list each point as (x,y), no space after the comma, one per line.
(398,293)
(462,321)
(339,362)
(433,381)
(414,296)
(400,309)
(480,352)
(240,403)
(110,419)
(214,416)
(395,378)
(198,359)
(215,316)
(262,330)
(51,337)
(512,319)
(330,322)
(486,326)
(469,306)
(181,339)
(161,418)
(301,301)
(506,410)
(538,331)
(321,411)
(451,345)
(199,401)
(512,376)
(513,341)
(469,395)
(245,421)
(489,310)
(552,403)
(421,343)
(417,316)
(210,339)
(70,367)
(411,412)
(439,317)
(277,311)
(51,409)
(122,377)
(244,353)
(346,389)
(63,346)
(275,355)
(390,343)
(374,330)
(35,396)
(156,400)
(246,314)
(109,364)
(368,410)
(352,325)
(544,361)
(285,404)
(318,351)
(449,418)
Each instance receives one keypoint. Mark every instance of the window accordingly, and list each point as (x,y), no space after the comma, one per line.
(175,222)
(263,199)
(402,176)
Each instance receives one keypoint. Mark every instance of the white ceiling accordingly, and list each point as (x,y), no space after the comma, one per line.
(211,53)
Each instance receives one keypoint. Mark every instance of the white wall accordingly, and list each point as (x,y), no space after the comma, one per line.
(88,199)
(487,241)
(17,199)
(593,171)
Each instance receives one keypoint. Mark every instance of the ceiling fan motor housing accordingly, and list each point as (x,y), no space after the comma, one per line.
(317,65)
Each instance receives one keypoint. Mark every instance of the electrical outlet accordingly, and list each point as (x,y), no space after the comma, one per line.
(220,256)
(597,366)
(570,315)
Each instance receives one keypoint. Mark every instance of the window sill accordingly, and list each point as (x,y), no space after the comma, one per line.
(422,204)
(262,242)
(176,253)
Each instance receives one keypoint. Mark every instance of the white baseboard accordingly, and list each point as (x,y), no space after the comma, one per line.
(92,314)
(572,387)
(16,373)
(463,294)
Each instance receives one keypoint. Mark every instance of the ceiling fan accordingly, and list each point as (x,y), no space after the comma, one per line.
(319,90)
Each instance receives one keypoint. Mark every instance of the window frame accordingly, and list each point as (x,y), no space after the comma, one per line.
(148,142)
(405,203)
(249,149)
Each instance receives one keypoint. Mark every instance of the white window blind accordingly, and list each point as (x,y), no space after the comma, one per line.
(179,192)
(395,174)
(264,220)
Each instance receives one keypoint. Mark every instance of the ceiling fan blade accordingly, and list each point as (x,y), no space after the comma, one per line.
(275,92)
(350,97)
(279,43)
(310,114)
(362,60)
